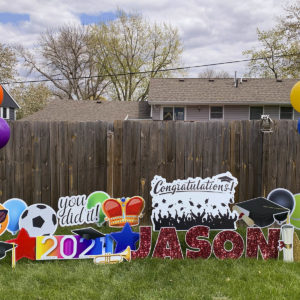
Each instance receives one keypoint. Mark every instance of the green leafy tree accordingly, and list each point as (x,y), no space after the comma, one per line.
(278,48)
(275,57)
(130,45)
(8,63)
(31,98)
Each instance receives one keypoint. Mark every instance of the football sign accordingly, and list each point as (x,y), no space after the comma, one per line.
(38,219)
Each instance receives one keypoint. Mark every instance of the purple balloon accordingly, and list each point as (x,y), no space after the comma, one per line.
(4,133)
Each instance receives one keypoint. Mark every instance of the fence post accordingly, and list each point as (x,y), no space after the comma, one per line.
(110,163)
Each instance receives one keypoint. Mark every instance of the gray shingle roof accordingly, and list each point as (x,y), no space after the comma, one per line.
(68,110)
(205,91)
(8,100)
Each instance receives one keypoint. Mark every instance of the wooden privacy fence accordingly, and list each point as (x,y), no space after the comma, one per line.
(44,161)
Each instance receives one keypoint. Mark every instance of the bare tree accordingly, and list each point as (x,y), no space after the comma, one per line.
(129,45)
(212,73)
(64,58)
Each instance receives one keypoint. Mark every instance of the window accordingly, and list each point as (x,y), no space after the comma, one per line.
(168,113)
(173,113)
(179,113)
(216,112)
(4,113)
(256,112)
(286,113)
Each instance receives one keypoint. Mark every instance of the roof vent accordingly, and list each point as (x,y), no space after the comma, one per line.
(211,80)
(278,80)
(181,80)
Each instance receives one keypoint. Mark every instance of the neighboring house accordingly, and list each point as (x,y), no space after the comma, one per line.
(198,99)
(83,111)
(8,107)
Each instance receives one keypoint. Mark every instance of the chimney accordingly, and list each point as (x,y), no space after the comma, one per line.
(236,82)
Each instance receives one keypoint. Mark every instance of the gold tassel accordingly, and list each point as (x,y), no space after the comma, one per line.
(296,246)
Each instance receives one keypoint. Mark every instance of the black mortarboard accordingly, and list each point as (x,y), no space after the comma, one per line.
(88,233)
(225,178)
(261,210)
(4,247)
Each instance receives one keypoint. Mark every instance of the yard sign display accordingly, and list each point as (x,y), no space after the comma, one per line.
(194,205)
(194,201)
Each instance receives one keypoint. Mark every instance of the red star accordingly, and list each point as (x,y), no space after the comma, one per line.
(26,245)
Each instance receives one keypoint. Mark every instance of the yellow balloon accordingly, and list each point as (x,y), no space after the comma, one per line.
(295,96)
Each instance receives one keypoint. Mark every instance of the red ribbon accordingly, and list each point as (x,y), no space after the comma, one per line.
(281,245)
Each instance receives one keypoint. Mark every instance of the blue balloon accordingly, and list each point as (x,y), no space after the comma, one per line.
(15,208)
(299,125)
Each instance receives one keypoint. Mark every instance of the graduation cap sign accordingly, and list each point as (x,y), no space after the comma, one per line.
(4,247)
(259,211)
(88,233)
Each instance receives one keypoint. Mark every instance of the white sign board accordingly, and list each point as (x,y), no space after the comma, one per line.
(194,201)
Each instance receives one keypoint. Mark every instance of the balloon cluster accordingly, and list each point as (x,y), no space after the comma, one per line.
(4,127)
(295,100)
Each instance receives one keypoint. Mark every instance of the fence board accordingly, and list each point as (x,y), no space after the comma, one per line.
(44,161)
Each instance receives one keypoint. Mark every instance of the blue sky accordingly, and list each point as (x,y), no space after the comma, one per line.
(211,31)
(94,19)
(7,17)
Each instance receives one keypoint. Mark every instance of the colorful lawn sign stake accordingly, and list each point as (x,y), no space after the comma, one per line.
(168,245)
(25,245)
(4,247)
(113,258)
(39,219)
(194,201)
(285,199)
(125,238)
(295,99)
(80,209)
(15,209)
(1,94)
(122,211)
(4,133)
(295,216)
(296,248)
(286,244)
(259,211)
(4,219)
(97,198)
(87,244)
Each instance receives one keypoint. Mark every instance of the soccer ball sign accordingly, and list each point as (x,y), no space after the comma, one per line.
(38,219)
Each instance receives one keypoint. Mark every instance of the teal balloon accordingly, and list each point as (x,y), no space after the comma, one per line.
(15,209)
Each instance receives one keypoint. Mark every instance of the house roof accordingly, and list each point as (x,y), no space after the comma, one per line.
(191,91)
(69,110)
(8,100)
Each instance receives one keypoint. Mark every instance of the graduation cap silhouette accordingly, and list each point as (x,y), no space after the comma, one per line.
(88,233)
(259,211)
(4,247)
(225,178)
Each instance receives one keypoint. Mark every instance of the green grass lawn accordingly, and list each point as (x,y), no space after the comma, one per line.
(150,279)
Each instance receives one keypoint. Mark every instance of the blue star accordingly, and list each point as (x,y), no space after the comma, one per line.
(125,238)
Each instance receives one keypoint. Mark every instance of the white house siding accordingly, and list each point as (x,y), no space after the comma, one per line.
(236,112)
(155,112)
(272,111)
(197,113)
(296,115)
